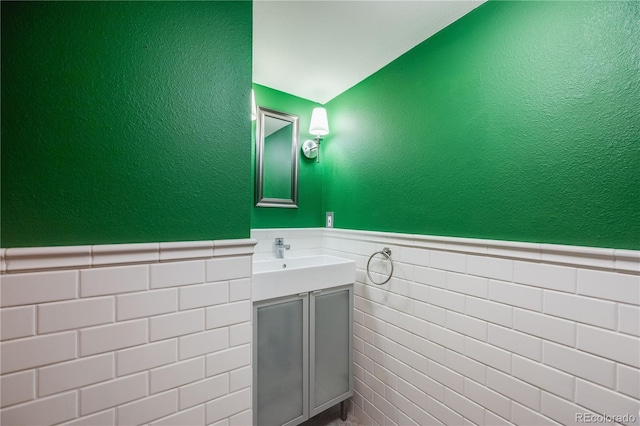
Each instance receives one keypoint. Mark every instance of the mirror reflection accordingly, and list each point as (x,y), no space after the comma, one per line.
(277,142)
(276,159)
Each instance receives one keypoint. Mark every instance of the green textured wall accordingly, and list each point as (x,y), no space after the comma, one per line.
(521,121)
(125,122)
(309,213)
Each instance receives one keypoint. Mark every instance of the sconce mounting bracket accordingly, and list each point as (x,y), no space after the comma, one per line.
(310,148)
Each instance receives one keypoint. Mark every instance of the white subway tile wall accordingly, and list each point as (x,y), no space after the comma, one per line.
(492,333)
(106,344)
(467,331)
(303,242)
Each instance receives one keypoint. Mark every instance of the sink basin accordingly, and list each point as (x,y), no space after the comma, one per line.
(283,277)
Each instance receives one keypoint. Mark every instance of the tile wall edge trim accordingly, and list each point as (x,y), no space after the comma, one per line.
(627,261)
(38,259)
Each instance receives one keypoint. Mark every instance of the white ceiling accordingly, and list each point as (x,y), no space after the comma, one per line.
(317,49)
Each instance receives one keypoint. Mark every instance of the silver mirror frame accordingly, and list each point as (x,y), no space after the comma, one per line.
(260,199)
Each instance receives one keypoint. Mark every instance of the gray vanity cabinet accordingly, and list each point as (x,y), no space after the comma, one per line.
(281,361)
(302,353)
(331,340)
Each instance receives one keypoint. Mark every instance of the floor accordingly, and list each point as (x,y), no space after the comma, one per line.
(331,417)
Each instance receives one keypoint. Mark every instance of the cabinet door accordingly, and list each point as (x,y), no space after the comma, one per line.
(281,366)
(331,371)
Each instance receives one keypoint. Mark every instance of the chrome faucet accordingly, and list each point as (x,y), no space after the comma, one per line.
(281,247)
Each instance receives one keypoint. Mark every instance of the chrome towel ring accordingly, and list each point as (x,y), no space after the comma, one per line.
(386,252)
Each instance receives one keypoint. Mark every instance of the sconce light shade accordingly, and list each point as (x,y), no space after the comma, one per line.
(253,106)
(319,127)
(319,123)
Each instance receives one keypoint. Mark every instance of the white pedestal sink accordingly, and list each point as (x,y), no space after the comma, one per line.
(282,277)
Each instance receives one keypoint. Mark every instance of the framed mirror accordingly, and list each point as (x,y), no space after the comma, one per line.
(276,159)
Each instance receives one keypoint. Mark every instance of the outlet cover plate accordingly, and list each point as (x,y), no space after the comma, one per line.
(329,222)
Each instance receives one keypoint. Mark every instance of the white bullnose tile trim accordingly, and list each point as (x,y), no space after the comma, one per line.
(15,260)
(38,258)
(579,256)
(585,257)
(514,250)
(467,245)
(185,250)
(627,261)
(233,247)
(124,254)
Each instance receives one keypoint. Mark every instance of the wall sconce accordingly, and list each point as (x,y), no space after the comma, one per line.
(319,127)
(253,106)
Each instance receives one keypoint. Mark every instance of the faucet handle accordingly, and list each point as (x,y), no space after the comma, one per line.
(279,241)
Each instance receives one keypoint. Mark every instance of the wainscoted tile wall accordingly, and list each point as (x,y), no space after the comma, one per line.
(491,332)
(155,334)
(488,332)
(466,332)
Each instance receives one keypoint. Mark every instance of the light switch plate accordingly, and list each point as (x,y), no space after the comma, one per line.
(329,222)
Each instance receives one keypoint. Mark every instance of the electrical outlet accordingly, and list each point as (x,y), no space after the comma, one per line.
(329,219)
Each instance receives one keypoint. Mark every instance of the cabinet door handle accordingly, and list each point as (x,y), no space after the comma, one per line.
(316,291)
(302,294)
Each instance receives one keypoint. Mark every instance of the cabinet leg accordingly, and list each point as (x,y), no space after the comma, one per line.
(343,410)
